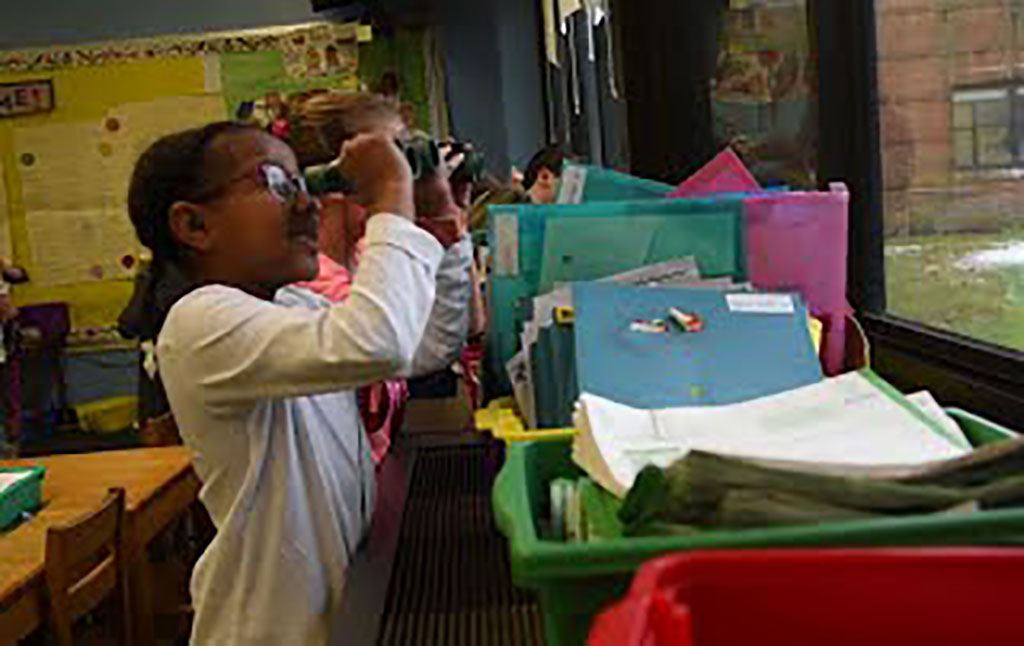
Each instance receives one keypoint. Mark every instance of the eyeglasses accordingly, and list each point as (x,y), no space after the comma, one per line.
(282,184)
(285,186)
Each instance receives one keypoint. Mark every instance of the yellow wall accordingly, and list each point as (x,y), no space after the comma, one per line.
(83,94)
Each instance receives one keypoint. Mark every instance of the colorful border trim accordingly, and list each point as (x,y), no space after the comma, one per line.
(184,46)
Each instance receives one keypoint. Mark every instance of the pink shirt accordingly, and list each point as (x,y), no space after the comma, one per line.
(380,405)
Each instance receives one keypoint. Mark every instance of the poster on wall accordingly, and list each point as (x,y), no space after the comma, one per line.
(262,73)
(74,172)
(74,181)
(265,86)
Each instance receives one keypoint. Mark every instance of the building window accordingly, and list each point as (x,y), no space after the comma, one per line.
(984,130)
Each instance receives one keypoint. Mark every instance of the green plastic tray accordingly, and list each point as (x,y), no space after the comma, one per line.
(24,496)
(575,581)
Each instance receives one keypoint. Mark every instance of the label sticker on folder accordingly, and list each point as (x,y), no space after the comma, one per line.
(574,180)
(506,260)
(761,303)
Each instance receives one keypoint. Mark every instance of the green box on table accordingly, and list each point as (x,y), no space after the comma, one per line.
(23,496)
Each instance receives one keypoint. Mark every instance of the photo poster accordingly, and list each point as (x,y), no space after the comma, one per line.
(68,171)
(265,86)
(765,89)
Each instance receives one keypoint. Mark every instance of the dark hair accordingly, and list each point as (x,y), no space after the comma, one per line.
(550,158)
(173,169)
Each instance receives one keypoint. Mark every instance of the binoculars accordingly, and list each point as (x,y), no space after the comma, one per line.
(424,159)
(472,167)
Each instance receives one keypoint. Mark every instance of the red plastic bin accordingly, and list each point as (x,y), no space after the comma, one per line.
(932,597)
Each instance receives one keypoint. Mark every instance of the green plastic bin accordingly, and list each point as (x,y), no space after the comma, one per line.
(23,496)
(575,581)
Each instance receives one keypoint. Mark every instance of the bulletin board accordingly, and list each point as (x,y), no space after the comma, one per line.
(65,174)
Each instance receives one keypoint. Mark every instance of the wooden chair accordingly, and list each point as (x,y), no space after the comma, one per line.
(86,564)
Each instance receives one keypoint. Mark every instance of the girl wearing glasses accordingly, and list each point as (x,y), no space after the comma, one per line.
(260,379)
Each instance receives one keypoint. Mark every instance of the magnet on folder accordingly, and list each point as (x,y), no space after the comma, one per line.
(687,321)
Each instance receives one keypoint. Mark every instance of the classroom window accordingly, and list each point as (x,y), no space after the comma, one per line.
(952,129)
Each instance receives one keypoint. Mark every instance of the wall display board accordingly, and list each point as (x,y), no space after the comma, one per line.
(65,173)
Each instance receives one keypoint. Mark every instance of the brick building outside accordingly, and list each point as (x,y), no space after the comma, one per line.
(951,76)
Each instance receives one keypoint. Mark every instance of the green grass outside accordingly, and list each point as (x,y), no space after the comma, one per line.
(927,281)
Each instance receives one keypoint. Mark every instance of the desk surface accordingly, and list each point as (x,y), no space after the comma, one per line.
(77,484)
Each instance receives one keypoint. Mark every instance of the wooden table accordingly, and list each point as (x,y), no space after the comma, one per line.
(160,486)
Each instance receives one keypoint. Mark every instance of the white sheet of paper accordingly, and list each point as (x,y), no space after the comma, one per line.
(528,405)
(672,270)
(61,167)
(931,407)
(519,375)
(142,123)
(9,479)
(544,305)
(844,420)
(83,245)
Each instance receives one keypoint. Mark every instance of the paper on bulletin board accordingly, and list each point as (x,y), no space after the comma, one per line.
(6,248)
(129,129)
(60,166)
(211,74)
(80,246)
(75,177)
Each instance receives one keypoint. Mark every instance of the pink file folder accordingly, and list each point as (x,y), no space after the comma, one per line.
(723,174)
(798,242)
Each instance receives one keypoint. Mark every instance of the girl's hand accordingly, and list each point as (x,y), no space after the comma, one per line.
(380,173)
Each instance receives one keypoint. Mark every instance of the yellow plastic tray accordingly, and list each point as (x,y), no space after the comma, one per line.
(502,421)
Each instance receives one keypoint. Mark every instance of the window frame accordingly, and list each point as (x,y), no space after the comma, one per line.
(1014,96)
(961,371)
(667,120)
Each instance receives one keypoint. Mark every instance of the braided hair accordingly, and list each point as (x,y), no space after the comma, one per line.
(174,169)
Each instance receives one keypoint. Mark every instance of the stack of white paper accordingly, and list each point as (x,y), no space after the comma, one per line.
(848,420)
